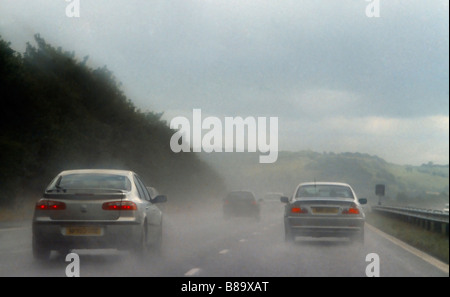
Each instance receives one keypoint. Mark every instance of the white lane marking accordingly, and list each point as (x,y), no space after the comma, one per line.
(223,252)
(433,261)
(193,272)
(13,229)
(19,251)
(243,240)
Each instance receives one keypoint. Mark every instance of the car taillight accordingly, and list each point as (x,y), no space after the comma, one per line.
(298,210)
(351,210)
(45,204)
(119,205)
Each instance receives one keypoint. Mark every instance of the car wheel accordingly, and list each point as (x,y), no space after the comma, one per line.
(157,246)
(64,252)
(141,249)
(288,236)
(40,250)
(359,238)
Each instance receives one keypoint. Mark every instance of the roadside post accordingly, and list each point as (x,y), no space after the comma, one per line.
(379,191)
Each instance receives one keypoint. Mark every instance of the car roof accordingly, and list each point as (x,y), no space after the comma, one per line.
(241,192)
(324,183)
(98,171)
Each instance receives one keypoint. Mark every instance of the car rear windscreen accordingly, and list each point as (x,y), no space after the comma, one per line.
(324,191)
(93,181)
(240,196)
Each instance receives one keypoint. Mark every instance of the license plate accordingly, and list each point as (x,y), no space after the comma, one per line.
(83,231)
(325,210)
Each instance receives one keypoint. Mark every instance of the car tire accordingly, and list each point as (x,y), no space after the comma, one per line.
(288,236)
(41,251)
(64,252)
(157,246)
(359,238)
(141,248)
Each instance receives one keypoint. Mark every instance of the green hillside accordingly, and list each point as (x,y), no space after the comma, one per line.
(57,114)
(424,186)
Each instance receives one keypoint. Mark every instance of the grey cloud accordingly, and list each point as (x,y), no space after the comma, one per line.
(303,61)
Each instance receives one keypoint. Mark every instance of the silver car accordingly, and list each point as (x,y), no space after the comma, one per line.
(90,209)
(324,209)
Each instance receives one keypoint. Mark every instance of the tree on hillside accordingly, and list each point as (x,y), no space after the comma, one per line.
(60,114)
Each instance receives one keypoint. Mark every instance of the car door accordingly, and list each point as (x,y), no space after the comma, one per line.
(152,212)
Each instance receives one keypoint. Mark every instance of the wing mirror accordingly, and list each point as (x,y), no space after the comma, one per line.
(284,199)
(362,200)
(159,199)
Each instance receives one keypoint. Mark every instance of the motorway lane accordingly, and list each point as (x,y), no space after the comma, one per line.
(203,244)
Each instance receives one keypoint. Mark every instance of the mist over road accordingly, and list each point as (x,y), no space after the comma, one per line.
(201,243)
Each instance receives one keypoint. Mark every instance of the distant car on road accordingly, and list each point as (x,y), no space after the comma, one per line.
(83,209)
(446,208)
(270,203)
(272,197)
(241,204)
(324,209)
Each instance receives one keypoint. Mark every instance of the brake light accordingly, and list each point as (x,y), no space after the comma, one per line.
(298,210)
(351,210)
(45,204)
(119,205)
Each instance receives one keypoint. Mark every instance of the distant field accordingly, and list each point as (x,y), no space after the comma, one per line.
(424,186)
(435,244)
(18,213)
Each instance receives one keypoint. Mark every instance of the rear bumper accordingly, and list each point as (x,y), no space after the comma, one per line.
(241,212)
(117,234)
(325,226)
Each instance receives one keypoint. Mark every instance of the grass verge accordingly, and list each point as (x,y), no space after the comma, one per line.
(433,243)
(18,212)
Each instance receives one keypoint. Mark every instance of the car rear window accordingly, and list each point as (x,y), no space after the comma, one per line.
(92,181)
(240,196)
(324,191)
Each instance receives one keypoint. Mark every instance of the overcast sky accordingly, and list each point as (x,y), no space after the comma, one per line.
(337,80)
